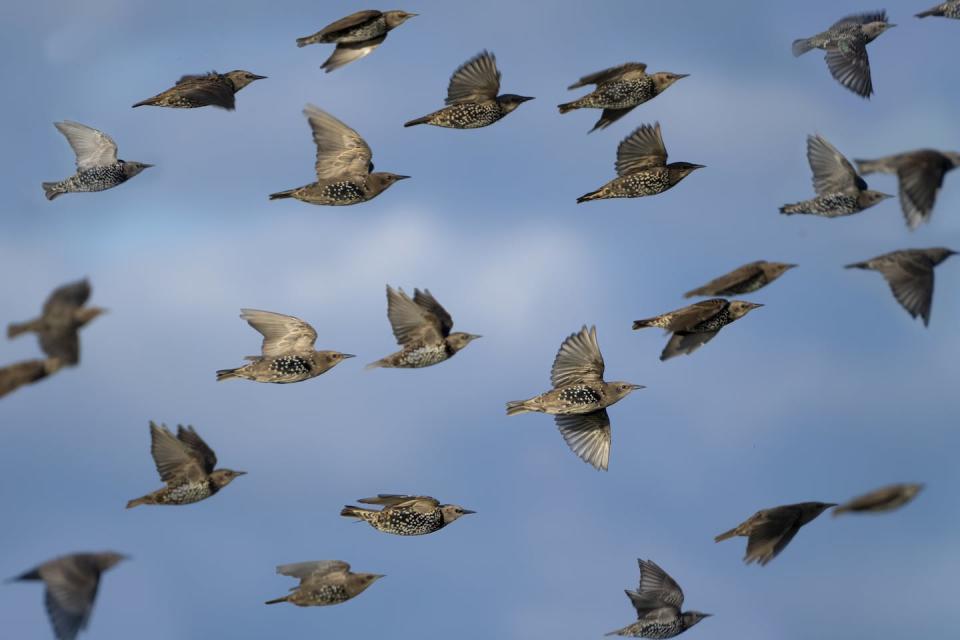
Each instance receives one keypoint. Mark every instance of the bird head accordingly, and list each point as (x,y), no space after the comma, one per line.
(240,78)
(381,181)
(223,477)
(510,101)
(458,340)
(663,79)
(621,389)
(108,559)
(774,270)
(740,308)
(810,510)
(131,169)
(358,582)
(691,618)
(396,18)
(939,254)
(953,157)
(453,511)
(680,170)
(869,197)
(910,490)
(333,358)
(86,314)
(874,29)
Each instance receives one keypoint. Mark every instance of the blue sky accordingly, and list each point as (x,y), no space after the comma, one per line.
(828,391)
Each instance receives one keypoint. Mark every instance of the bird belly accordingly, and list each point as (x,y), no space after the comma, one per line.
(622,95)
(422,356)
(408,522)
(468,115)
(96,179)
(187,493)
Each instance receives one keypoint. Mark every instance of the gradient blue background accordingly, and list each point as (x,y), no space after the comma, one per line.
(828,391)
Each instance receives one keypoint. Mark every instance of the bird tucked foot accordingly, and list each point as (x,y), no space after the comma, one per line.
(52,190)
(350,511)
(726,535)
(302,42)
(800,207)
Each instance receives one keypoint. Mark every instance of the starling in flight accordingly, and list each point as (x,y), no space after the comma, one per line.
(840,191)
(746,279)
(14,376)
(920,174)
(642,168)
(287,354)
(422,329)
(406,515)
(950,9)
(344,165)
(846,45)
(216,89)
(58,327)
(769,531)
(657,601)
(187,465)
(472,97)
(323,583)
(71,587)
(909,273)
(619,90)
(97,165)
(579,398)
(883,499)
(356,36)
(697,324)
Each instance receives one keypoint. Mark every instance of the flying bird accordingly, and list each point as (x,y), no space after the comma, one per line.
(909,272)
(356,36)
(642,168)
(187,465)
(920,175)
(881,500)
(97,165)
(744,279)
(211,89)
(406,515)
(949,9)
(58,327)
(19,374)
(846,45)
(769,531)
(287,354)
(695,325)
(344,165)
(472,97)
(579,398)
(658,600)
(323,583)
(422,329)
(840,191)
(71,587)
(619,90)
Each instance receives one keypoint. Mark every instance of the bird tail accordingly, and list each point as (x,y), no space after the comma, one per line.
(33,574)
(593,195)
(228,374)
(856,265)
(568,106)
(726,535)
(789,209)
(276,600)
(643,324)
(134,503)
(802,46)
(416,121)
(516,407)
(690,294)
(926,14)
(280,195)
(350,511)
(302,42)
(383,362)
(871,166)
(146,103)
(52,190)
(14,329)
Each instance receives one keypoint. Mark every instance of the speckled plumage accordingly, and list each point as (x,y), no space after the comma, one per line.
(658,601)
(406,515)
(949,9)
(356,35)
(211,89)
(323,583)
(695,325)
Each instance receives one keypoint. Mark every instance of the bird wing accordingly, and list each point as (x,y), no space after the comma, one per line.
(628,71)
(67,297)
(728,280)
(879,497)
(281,334)
(654,581)
(588,436)
(173,458)
(340,150)
(850,65)
(770,534)
(352,20)
(919,182)
(210,88)
(861,18)
(62,343)
(313,571)
(690,316)
(197,448)
(71,590)
(832,173)
(686,343)
(429,304)
(578,360)
(409,320)
(476,80)
(911,281)
(347,52)
(640,150)
(388,499)
(14,376)
(93,148)
(609,116)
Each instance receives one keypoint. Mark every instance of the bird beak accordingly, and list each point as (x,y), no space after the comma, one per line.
(705,615)
(677,76)
(256,77)
(525,98)
(698,166)
(412,15)
(347,355)
(467,511)
(474,336)
(377,576)
(145,165)
(791,266)
(402,177)
(755,305)
(239,473)
(637,386)
(891,25)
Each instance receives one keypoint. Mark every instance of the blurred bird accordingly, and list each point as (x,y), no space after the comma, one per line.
(287,353)
(846,45)
(920,175)
(406,515)
(697,324)
(579,398)
(909,272)
(840,191)
(344,165)
(950,9)
(619,90)
(356,36)
(642,168)
(472,97)
(211,89)
(97,165)
(658,600)
(769,531)
(883,499)
(324,583)
(422,329)
(186,464)
(71,587)
(745,279)
(58,327)
(14,376)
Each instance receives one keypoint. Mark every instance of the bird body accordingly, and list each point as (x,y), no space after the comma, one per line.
(745,279)
(406,515)
(472,100)
(771,530)
(909,272)
(323,583)
(287,352)
(356,35)
(98,167)
(642,168)
(920,175)
(344,165)
(695,325)
(211,89)
(881,500)
(57,329)
(949,9)
(658,601)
